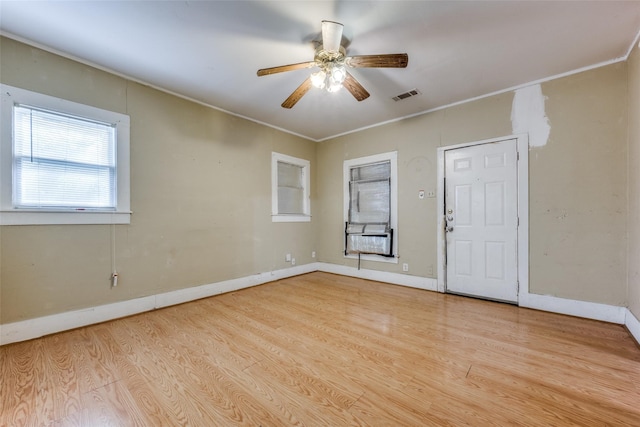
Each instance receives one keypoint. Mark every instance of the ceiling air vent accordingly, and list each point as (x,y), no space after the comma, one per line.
(408,94)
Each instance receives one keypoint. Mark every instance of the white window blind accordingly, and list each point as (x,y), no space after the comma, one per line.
(290,189)
(370,194)
(63,161)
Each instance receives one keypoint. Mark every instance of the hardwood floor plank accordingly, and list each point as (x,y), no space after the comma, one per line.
(61,379)
(387,406)
(95,365)
(19,386)
(322,349)
(304,400)
(112,404)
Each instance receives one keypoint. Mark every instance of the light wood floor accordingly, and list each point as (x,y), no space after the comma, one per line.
(327,350)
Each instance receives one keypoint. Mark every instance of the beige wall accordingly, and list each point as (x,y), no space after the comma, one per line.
(200,196)
(577,190)
(577,184)
(634,183)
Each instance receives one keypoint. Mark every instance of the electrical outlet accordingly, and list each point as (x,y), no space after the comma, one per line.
(293,261)
(313,254)
(430,270)
(431,193)
(405,267)
(287,257)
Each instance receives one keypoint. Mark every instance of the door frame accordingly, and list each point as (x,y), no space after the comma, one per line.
(522,165)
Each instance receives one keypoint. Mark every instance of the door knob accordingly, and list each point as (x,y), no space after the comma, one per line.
(449,228)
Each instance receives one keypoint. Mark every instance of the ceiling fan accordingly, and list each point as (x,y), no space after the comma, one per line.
(331,58)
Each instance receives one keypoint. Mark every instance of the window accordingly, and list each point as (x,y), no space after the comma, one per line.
(370,207)
(62,162)
(290,182)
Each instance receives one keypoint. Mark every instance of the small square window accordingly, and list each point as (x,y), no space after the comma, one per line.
(290,189)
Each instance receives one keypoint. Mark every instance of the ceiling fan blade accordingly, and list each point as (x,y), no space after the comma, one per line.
(331,36)
(283,68)
(391,60)
(356,89)
(297,94)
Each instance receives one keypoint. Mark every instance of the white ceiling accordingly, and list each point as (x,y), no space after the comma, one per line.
(210,51)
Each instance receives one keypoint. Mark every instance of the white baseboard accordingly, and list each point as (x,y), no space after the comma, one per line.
(633,325)
(588,310)
(381,276)
(204,291)
(38,327)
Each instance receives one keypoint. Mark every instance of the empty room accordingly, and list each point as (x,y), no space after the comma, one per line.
(319,213)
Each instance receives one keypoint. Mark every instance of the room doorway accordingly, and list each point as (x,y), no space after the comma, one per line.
(479,202)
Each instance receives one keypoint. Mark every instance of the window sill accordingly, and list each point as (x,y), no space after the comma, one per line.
(26,217)
(377,258)
(290,218)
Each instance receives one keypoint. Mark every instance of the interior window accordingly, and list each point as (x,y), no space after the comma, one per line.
(290,189)
(62,162)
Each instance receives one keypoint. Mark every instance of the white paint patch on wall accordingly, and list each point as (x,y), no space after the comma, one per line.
(528,116)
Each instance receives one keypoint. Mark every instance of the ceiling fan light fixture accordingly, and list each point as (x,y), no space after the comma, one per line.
(338,73)
(330,77)
(335,78)
(334,87)
(318,79)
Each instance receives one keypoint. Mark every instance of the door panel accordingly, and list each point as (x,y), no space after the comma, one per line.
(494,203)
(463,257)
(494,260)
(463,204)
(482,219)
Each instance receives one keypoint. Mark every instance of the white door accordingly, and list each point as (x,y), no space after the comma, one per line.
(481,212)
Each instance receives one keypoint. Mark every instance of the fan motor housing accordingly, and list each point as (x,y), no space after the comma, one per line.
(326,59)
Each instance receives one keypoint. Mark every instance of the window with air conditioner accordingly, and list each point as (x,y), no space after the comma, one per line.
(370,207)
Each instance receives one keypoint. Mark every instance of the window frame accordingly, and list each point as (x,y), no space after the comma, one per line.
(306,182)
(392,158)
(12,215)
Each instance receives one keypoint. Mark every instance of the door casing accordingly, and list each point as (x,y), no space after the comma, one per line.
(522,145)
